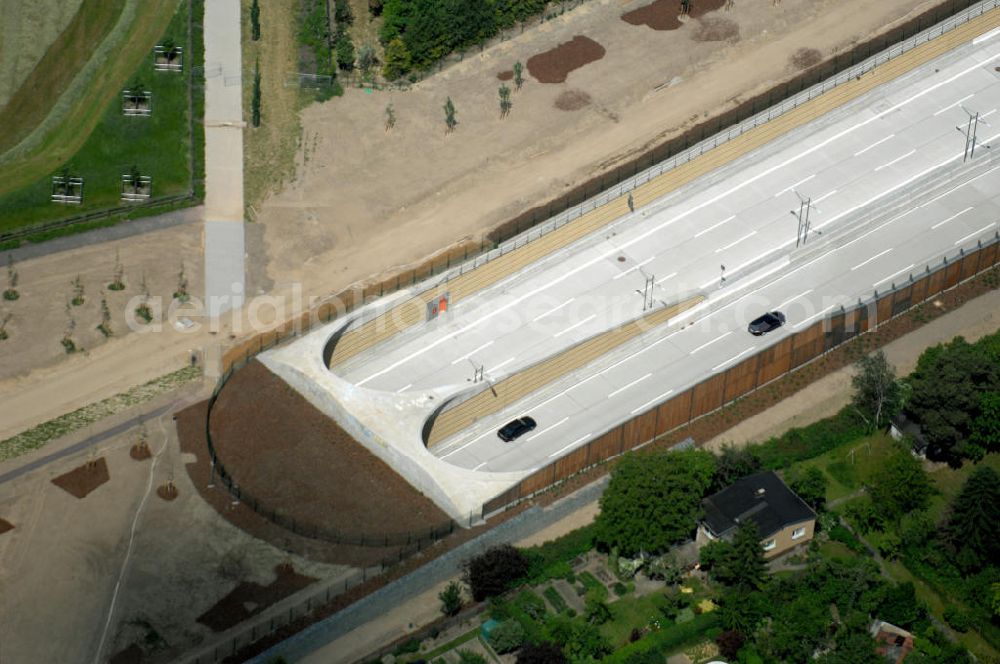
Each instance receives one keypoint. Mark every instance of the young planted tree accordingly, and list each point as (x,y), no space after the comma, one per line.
(4,319)
(136,175)
(451,599)
(255,20)
(181,294)
(67,340)
(143,311)
(390,117)
(65,188)
(78,292)
(255,98)
(505,103)
(877,393)
(518,75)
(118,276)
(367,60)
(449,115)
(11,294)
(169,49)
(105,326)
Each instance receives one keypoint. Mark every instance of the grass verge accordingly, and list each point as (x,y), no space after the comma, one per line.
(38,436)
(158,145)
(31,102)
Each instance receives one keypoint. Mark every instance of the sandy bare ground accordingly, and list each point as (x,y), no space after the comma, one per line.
(60,563)
(360,189)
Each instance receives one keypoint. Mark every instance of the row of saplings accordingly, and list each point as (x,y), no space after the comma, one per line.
(142,311)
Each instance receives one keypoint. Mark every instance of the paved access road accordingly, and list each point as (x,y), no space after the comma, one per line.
(889,192)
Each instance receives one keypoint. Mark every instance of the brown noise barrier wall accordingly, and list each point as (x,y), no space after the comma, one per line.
(754,372)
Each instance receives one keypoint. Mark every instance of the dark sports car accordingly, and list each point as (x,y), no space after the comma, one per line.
(769,321)
(518,427)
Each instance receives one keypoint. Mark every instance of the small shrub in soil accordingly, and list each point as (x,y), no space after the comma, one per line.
(68,345)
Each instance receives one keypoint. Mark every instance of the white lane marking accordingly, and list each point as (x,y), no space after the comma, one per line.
(792,299)
(652,401)
(625,387)
(575,442)
(814,316)
(736,242)
(972,235)
(824,197)
(476,439)
(984,37)
(887,192)
(878,255)
(546,430)
(404,388)
(959,214)
(669,276)
(734,357)
(951,106)
(480,466)
(787,189)
(876,229)
(505,362)
(961,185)
(575,325)
(874,145)
(552,311)
(714,226)
(897,159)
(706,345)
(631,269)
(880,281)
(656,229)
(474,351)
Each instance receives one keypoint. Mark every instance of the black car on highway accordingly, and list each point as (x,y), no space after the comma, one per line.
(769,321)
(516,428)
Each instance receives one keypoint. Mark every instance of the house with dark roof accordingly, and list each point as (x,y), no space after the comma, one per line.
(783,519)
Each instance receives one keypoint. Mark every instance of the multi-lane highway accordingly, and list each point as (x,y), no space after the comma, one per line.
(890,190)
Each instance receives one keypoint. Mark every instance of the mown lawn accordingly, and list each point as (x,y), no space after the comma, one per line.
(158,145)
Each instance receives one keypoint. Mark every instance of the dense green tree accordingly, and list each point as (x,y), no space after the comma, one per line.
(345,50)
(734,463)
(985,434)
(810,485)
(653,500)
(742,610)
(495,571)
(730,642)
(644,657)
(507,636)
(947,387)
(469,657)
(933,647)
(898,605)
(375,7)
(540,653)
(742,562)
(342,13)
(852,647)
(899,485)
(975,513)
(451,599)
(597,611)
(255,20)
(397,60)
(797,629)
(877,393)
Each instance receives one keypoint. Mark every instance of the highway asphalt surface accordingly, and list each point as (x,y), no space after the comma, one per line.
(889,192)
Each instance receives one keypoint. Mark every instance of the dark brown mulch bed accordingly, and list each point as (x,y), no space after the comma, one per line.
(81,481)
(507,75)
(572,100)
(131,655)
(167,492)
(555,64)
(804,58)
(717,29)
(5,526)
(658,15)
(248,598)
(140,452)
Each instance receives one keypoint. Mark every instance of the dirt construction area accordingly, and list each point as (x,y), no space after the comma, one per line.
(628,81)
(86,522)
